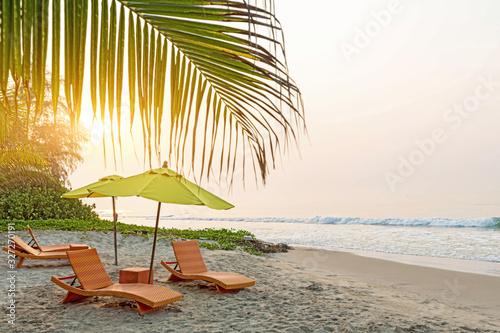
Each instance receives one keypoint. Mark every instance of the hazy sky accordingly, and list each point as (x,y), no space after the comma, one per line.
(402,106)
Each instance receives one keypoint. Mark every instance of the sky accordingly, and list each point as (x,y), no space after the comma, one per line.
(402,104)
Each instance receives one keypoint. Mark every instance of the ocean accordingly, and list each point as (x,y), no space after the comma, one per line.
(470,245)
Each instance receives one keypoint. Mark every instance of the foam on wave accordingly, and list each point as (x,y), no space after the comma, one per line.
(410,222)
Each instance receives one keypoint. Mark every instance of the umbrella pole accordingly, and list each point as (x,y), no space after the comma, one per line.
(114,223)
(154,244)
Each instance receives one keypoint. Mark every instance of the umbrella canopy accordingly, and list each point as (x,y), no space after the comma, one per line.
(162,185)
(83,192)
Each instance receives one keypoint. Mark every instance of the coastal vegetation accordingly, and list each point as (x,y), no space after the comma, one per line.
(40,202)
(37,154)
(213,239)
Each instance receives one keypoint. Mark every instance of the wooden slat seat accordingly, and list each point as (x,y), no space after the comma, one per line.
(95,281)
(56,247)
(24,251)
(192,267)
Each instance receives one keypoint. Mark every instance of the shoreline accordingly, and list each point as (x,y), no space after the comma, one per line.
(416,242)
(490,268)
(480,292)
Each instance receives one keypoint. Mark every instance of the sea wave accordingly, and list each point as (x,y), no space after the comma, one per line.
(486,222)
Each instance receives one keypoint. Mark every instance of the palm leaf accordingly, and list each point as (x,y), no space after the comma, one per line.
(223,57)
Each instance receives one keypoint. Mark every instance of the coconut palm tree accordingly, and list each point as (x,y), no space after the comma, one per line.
(43,146)
(230,98)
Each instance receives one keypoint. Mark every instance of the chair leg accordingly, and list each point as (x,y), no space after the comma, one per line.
(20,261)
(225,291)
(145,308)
(71,297)
(174,278)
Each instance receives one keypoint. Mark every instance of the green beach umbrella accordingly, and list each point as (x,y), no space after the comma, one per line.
(84,192)
(162,185)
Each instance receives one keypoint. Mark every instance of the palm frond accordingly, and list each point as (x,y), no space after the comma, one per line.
(230,92)
(14,156)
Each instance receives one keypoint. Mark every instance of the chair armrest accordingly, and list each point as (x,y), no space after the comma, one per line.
(17,253)
(170,269)
(66,286)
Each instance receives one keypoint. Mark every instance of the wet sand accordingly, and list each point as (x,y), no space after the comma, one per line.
(478,292)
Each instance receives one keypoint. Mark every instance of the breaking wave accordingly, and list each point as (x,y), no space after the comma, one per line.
(486,222)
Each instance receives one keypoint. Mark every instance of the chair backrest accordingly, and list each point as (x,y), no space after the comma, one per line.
(26,248)
(189,257)
(33,236)
(88,269)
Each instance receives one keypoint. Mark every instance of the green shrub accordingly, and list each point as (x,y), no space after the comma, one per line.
(210,246)
(223,239)
(40,203)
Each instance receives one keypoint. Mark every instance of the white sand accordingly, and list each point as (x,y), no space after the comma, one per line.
(290,295)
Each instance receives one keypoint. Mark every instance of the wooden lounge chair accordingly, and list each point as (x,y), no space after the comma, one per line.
(24,251)
(95,281)
(192,267)
(54,248)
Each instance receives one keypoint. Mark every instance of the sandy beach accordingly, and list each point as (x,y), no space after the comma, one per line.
(304,290)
